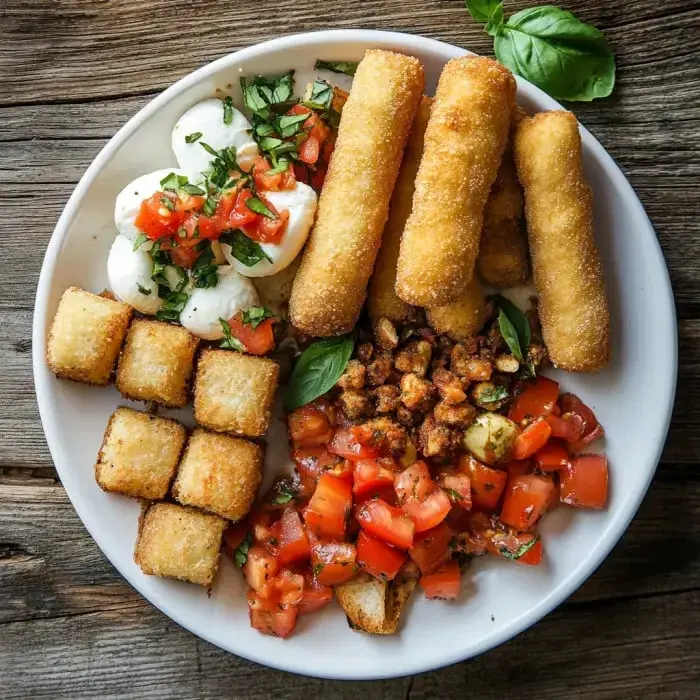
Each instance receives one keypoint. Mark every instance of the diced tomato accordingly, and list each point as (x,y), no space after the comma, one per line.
(184,257)
(377,558)
(309,150)
(266,229)
(552,457)
(537,399)
(431,548)
(260,567)
(287,588)
(240,214)
(257,341)
(457,486)
(458,519)
(333,562)
(414,483)
(533,556)
(521,547)
(443,583)
(429,512)
(372,476)
(487,484)
(568,427)
(346,444)
(319,177)
(533,438)
(527,498)
(270,618)
(156,219)
(315,596)
(516,467)
(263,181)
(592,430)
(329,507)
(387,523)
(294,544)
(309,426)
(584,484)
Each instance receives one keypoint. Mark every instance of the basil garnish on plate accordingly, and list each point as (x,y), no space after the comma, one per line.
(550,47)
(514,327)
(318,369)
(346,67)
(244,249)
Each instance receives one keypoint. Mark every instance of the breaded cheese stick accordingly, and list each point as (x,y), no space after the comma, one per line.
(331,284)
(462,318)
(381,297)
(464,142)
(502,260)
(566,266)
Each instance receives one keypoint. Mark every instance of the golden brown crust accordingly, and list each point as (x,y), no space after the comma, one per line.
(331,284)
(572,304)
(157,363)
(464,142)
(86,336)
(219,474)
(382,301)
(139,454)
(462,318)
(233,393)
(179,542)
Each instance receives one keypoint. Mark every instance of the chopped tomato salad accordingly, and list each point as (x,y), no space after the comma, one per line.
(354,507)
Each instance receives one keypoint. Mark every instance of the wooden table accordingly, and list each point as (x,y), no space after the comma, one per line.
(71,73)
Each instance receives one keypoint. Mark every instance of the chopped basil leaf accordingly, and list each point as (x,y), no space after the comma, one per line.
(229,342)
(240,556)
(269,143)
(167,203)
(264,129)
(143,290)
(282,166)
(221,166)
(172,306)
(265,95)
(140,240)
(244,249)
(318,568)
(347,67)
(205,272)
(195,136)
(318,369)
(228,110)
(172,182)
(289,124)
(193,189)
(254,316)
(258,206)
(514,327)
(209,208)
(498,393)
(284,495)
(522,550)
(208,149)
(320,96)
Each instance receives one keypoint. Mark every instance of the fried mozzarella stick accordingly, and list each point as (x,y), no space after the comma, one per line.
(566,266)
(502,260)
(331,284)
(381,297)
(464,142)
(462,318)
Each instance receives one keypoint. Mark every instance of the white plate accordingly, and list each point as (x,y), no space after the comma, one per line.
(633,399)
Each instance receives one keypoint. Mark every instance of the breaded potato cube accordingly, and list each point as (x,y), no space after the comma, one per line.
(157,363)
(86,336)
(219,473)
(139,454)
(233,393)
(179,542)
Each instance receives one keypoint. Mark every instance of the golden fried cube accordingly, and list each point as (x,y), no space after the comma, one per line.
(86,335)
(157,363)
(219,473)
(179,542)
(233,393)
(139,454)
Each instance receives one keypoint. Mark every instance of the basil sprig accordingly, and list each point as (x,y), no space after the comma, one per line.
(515,329)
(347,67)
(172,306)
(205,272)
(255,315)
(244,249)
(318,369)
(550,47)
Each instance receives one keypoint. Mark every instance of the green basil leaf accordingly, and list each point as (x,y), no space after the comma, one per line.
(229,342)
(269,143)
(240,556)
(258,206)
(140,240)
(289,124)
(172,306)
(320,96)
(282,166)
(553,49)
(254,316)
(173,182)
(194,136)
(498,393)
(282,492)
(264,129)
(518,319)
(193,189)
(510,335)
(205,272)
(228,110)
(487,11)
(318,369)
(211,151)
(209,207)
(347,67)
(167,203)
(244,249)
(522,550)
(143,290)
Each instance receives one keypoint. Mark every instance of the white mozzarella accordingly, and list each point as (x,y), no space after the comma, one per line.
(204,309)
(129,200)
(301,203)
(207,118)
(126,270)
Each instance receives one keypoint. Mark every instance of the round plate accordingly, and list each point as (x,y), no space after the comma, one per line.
(633,398)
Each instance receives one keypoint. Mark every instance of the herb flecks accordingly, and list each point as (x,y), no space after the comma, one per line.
(245,250)
(254,316)
(193,137)
(205,272)
(346,67)
(240,556)
(228,110)
(230,342)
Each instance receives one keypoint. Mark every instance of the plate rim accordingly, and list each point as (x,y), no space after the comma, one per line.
(619,521)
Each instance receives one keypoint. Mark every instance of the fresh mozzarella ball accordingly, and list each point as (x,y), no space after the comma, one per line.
(129,200)
(204,309)
(126,270)
(301,203)
(207,118)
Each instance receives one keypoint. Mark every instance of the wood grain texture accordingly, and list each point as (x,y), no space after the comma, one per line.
(71,73)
